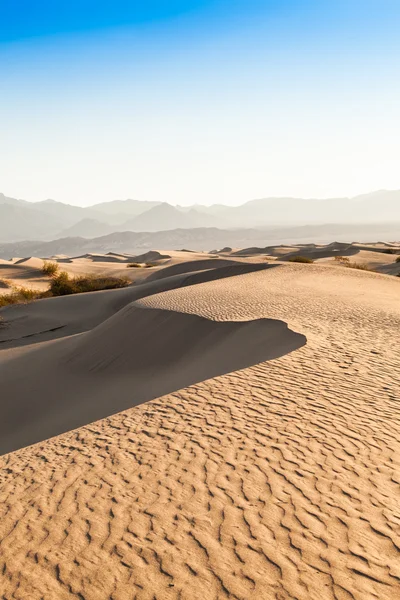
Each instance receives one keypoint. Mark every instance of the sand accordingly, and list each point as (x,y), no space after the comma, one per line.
(28,272)
(270,470)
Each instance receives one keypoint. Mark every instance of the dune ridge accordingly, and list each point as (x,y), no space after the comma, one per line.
(142,352)
(61,316)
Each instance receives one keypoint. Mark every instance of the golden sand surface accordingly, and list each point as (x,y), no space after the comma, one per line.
(280,480)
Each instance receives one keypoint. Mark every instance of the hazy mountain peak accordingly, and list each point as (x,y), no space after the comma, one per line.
(49,218)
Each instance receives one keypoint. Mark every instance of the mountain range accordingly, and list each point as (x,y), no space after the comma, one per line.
(48,219)
(203,239)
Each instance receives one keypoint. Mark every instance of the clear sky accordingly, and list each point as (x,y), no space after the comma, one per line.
(198,101)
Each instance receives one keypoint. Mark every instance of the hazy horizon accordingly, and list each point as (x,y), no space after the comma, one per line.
(203,102)
(205,203)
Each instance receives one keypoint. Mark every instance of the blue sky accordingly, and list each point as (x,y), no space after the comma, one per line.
(201,101)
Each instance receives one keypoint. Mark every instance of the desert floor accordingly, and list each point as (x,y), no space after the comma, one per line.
(257,452)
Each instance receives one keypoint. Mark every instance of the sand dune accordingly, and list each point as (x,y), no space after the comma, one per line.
(28,273)
(378,261)
(317,253)
(191,266)
(59,317)
(25,272)
(276,481)
(142,353)
(151,256)
(31,261)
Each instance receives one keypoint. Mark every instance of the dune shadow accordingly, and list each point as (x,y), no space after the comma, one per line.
(53,318)
(137,355)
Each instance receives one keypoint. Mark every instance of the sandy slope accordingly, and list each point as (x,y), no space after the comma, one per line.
(74,381)
(278,481)
(59,317)
(27,272)
(378,261)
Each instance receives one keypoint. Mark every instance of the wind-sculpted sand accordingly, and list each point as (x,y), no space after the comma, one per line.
(277,481)
(134,356)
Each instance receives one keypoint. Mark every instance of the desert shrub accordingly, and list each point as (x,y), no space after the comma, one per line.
(50,268)
(360,266)
(342,259)
(63,285)
(398,259)
(300,259)
(20,296)
(93,284)
(5,284)
(141,265)
(346,262)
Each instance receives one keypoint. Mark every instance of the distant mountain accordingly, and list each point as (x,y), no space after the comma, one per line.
(41,220)
(213,209)
(279,211)
(383,205)
(379,206)
(164,217)
(88,228)
(49,219)
(20,222)
(13,201)
(204,238)
(128,208)
(65,214)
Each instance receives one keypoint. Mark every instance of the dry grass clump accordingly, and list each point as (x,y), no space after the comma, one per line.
(360,266)
(140,265)
(398,259)
(300,259)
(50,268)
(20,296)
(5,284)
(63,285)
(346,262)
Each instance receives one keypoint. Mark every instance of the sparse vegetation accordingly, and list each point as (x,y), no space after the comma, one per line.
(50,268)
(346,262)
(5,284)
(141,265)
(20,296)
(300,259)
(342,259)
(63,285)
(398,259)
(360,266)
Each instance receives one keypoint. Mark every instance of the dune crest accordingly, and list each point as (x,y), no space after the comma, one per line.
(134,356)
